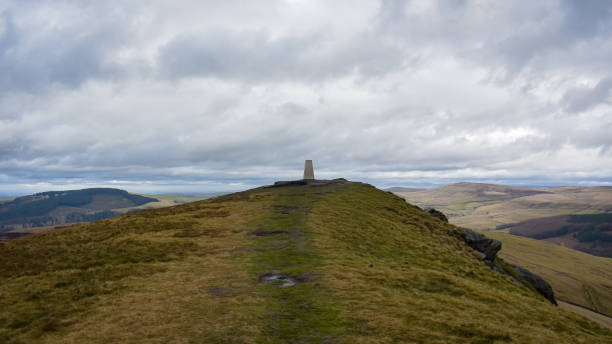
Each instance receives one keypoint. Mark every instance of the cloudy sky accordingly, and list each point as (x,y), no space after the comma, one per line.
(195,96)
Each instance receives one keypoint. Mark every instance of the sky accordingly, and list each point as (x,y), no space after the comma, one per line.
(202,96)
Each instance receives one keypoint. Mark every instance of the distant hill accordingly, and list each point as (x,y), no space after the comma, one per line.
(590,233)
(335,262)
(61,207)
(488,206)
(403,189)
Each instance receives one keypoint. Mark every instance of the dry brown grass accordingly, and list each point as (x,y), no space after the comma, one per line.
(603,320)
(485,206)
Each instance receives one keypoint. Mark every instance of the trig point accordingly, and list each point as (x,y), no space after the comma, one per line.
(308,170)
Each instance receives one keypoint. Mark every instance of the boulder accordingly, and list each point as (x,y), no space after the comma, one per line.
(488,249)
(437,214)
(538,283)
(487,246)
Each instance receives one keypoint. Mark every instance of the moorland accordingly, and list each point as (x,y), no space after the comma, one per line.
(341,262)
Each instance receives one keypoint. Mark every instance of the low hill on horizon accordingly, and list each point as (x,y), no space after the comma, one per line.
(337,262)
(489,206)
(70,206)
(403,189)
(45,211)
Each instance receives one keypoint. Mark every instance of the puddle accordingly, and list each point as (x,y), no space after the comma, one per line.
(279,279)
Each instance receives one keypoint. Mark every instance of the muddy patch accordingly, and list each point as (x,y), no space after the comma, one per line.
(284,209)
(261,232)
(278,279)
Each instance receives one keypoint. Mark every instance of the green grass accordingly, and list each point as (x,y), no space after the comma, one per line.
(373,268)
(575,276)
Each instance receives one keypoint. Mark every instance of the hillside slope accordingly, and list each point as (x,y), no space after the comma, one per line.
(576,277)
(60,207)
(487,206)
(590,233)
(336,263)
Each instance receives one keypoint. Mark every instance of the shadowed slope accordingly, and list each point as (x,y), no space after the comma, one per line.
(364,266)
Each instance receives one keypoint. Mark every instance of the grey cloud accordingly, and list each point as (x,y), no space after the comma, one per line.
(404,95)
(584,98)
(32,59)
(586,18)
(255,56)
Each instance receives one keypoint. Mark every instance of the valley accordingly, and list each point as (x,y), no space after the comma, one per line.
(490,206)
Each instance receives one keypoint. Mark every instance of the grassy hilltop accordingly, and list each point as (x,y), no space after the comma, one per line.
(368,268)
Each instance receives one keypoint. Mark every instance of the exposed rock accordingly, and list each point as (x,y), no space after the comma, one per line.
(538,283)
(489,247)
(437,214)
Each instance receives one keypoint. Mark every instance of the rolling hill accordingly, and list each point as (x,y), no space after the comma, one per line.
(489,206)
(60,207)
(326,262)
(590,233)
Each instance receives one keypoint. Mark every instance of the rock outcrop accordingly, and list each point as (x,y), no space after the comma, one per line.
(538,283)
(488,249)
(487,246)
(437,214)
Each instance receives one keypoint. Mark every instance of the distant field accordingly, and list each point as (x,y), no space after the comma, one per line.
(167,200)
(575,276)
(486,206)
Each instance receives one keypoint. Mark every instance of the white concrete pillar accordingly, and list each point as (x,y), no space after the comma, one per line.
(308,170)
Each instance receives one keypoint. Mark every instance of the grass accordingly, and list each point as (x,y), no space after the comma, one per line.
(575,276)
(372,268)
(600,318)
